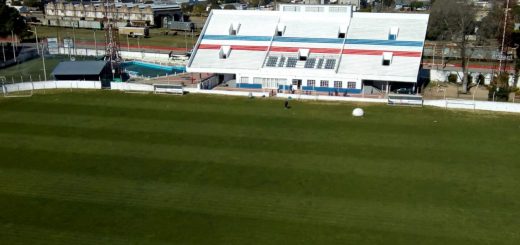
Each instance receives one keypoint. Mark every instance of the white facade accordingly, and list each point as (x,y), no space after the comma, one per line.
(311,47)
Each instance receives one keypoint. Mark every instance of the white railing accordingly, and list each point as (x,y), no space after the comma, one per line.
(29,86)
(136,87)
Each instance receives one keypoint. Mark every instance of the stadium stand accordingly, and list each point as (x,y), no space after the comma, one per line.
(312,42)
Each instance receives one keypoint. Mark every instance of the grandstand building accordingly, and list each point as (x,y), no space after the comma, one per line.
(311,48)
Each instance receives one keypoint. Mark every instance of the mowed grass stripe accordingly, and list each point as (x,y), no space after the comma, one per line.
(209,228)
(294,120)
(209,129)
(236,170)
(236,202)
(244,156)
(243,153)
(247,143)
(28,234)
(352,185)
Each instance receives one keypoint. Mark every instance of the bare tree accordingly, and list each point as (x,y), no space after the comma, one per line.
(454,21)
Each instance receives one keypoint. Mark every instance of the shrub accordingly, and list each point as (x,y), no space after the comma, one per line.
(452,78)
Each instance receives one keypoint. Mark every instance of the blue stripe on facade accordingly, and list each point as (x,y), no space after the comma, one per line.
(316,40)
(308,40)
(385,42)
(240,38)
(249,85)
(323,89)
(327,89)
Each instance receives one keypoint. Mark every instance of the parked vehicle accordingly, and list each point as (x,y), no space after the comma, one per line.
(134,31)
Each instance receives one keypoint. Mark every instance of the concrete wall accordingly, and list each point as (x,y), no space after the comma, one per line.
(442,76)
(132,87)
(130,55)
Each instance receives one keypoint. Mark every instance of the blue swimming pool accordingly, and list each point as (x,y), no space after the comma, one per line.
(139,68)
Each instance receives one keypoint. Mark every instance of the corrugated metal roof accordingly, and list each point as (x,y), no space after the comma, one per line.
(79,68)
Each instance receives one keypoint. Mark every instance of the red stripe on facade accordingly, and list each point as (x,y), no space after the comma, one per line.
(314,50)
(380,52)
(209,46)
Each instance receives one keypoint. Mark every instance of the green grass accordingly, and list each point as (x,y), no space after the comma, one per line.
(111,168)
(33,69)
(156,37)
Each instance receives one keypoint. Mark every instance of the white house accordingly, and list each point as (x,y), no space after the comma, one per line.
(320,48)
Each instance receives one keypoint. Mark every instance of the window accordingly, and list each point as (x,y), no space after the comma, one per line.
(392,35)
(338,9)
(233,29)
(295,81)
(324,83)
(314,9)
(224,52)
(303,54)
(387,58)
(244,80)
(338,84)
(291,8)
(311,83)
(280,29)
(351,85)
(342,32)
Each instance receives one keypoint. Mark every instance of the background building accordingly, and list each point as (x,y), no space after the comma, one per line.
(320,48)
(135,14)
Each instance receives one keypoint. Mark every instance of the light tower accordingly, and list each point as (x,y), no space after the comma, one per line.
(112,54)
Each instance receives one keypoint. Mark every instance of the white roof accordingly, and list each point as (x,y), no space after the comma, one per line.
(360,53)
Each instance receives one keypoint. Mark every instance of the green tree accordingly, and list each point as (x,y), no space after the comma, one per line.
(199,9)
(11,21)
(229,6)
(33,3)
(186,7)
(454,21)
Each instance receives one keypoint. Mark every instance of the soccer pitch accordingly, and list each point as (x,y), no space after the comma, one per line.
(113,168)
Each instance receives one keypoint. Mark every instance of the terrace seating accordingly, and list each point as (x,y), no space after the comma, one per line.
(310,63)
(291,62)
(320,63)
(271,61)
(330,64)
(282,62)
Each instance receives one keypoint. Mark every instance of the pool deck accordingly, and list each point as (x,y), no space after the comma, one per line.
(186,79)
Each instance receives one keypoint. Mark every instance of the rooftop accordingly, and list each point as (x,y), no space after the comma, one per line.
(79,68)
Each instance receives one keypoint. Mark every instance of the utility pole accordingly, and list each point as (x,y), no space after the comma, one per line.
(43,53)
(503,38)
(37,43)
(74,36)
(12,42)
(3,52)
(95,41)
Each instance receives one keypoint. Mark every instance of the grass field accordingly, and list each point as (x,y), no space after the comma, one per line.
(33,69)
(111,168)
(85,35)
